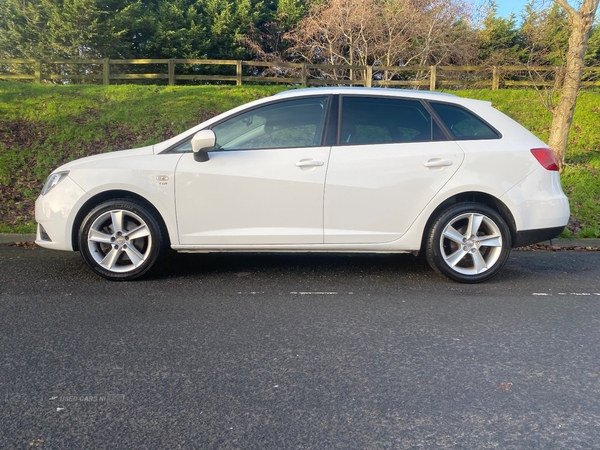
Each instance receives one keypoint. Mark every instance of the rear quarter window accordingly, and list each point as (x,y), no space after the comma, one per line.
(463,124)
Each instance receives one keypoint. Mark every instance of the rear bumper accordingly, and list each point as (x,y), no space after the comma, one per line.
(528,237)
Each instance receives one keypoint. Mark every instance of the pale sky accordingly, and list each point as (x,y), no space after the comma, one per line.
(505,7)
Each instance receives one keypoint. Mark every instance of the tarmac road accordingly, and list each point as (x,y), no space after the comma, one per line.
(299,351)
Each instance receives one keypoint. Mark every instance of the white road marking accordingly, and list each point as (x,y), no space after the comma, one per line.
(314,293)
(579,294)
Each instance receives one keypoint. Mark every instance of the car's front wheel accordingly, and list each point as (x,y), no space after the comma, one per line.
(121,240)
(468,242)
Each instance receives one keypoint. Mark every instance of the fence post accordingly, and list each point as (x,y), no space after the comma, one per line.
(432,77)
(171,72)
(369,76)
(238,73)
(38,71)
(106,72)
(304,75)
(495,79)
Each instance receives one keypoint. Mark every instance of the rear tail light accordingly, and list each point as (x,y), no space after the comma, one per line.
(546,158)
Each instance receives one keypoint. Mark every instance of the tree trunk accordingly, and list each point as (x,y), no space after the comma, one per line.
(581,25)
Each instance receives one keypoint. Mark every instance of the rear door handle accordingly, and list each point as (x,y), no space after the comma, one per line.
(438,162)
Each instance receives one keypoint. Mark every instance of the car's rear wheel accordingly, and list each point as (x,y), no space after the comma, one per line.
(468,242)
(121,240)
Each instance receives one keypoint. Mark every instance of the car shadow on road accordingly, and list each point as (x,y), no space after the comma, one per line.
(222,263)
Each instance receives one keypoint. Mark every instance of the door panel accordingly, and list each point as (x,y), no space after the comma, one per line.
(247,197)
(391,160)
(264,186)
(374,193)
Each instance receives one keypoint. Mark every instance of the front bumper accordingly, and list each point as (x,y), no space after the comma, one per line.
(55,214)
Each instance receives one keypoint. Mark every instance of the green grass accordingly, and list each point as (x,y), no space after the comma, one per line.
(43,126)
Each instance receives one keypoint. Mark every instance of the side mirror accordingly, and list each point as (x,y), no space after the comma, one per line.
(202,143)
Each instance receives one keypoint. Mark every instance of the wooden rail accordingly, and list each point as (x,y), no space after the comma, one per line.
(107,71)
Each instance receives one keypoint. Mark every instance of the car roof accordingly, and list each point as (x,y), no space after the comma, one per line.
(470,103)
(410,93)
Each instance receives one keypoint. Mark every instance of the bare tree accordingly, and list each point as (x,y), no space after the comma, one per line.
(580,24)
(353,32)
(445,35)
(381,32)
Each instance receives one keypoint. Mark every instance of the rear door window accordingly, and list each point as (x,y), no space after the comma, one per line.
(375,120)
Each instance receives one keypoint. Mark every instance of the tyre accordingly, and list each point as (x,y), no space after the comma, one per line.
(122,240)
(468,242)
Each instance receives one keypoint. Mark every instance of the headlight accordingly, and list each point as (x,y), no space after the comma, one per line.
(53,180)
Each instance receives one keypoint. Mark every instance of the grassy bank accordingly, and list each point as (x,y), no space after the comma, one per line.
(42,126)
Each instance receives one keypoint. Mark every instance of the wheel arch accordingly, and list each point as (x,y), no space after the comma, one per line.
(111,195)
(477,197)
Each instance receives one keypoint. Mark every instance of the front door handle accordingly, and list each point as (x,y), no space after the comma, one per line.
(438,162)
(309,163)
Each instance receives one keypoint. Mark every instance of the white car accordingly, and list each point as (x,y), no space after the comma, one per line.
(316,170)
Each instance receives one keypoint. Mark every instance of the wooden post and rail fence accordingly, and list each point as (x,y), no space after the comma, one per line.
(111,71)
